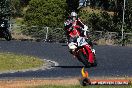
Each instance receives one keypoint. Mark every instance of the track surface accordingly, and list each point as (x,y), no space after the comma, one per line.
(112,60)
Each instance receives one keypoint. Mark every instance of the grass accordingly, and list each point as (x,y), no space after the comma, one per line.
(10,61)
(79,86)
(19,21)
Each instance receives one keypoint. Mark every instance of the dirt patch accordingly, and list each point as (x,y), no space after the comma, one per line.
(36,82)
(20,36)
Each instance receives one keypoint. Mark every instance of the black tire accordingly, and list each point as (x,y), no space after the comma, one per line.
(94,64)
(83,59)
(7,35)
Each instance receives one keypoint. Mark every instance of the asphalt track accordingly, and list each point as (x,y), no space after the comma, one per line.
(113,61)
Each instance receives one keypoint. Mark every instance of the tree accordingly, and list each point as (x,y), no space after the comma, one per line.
(16,8)
(5,7)
(128,16)
(12,7)
(46,13)
(72,5)
(42,13)
(24,2)
(94,20)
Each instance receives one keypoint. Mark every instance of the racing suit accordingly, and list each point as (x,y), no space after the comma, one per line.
(71,35)
(68,27)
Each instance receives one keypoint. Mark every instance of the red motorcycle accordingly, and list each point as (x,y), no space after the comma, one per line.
(81,49)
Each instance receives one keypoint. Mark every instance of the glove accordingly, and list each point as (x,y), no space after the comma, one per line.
(85,28)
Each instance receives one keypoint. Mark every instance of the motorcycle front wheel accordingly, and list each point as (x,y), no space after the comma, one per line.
(82,57)
(95,62)
(7,35)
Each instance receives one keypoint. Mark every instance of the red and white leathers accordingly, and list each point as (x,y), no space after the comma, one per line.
(75,28)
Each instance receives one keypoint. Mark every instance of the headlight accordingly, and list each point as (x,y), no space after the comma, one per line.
(72,46)
(2,25)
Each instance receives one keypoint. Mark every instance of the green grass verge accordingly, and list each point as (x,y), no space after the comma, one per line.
(10,61)
(91,86)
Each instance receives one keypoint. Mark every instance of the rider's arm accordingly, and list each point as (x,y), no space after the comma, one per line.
(66,27)
(80,23)
(85,28)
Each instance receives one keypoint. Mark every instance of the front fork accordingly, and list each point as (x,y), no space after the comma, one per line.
(90,53)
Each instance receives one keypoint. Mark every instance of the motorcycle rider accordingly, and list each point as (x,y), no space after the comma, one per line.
(4,28)
(69,24)
(5,22)
(68,27)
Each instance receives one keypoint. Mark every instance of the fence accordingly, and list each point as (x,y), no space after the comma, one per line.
(42,33)
(58,35)
(111,38)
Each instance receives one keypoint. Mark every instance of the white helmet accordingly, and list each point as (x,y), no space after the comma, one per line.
(74,14)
